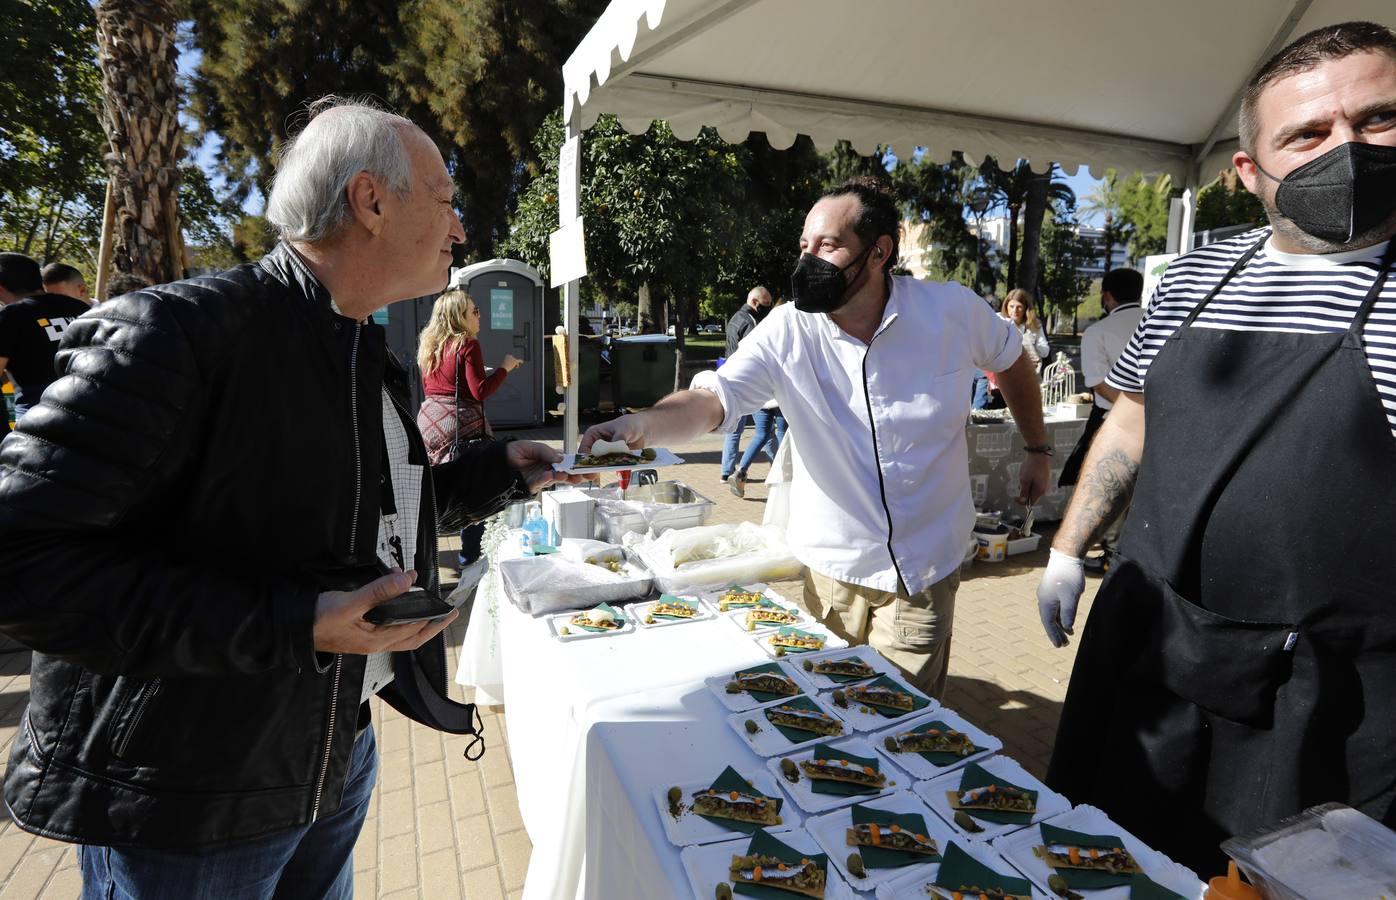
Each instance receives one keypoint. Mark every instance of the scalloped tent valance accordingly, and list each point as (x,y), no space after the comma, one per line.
(1096,83)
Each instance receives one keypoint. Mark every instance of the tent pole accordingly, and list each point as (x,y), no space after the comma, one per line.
(1189,218)
(572,304)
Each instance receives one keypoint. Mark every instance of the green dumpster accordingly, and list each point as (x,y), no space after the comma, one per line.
(644,367)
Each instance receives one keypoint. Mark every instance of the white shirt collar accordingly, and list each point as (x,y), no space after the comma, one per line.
(1317,260)
(889,314)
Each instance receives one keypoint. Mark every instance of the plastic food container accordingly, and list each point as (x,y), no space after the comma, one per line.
(1326,851)
(1024,544)
(993,545)
(659,507)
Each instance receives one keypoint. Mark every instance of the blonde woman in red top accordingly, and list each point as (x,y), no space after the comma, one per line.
(456,387)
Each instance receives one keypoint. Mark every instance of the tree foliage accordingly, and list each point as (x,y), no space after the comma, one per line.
(659,211)
(1225,203)
(51,177)
(700,222)
(1143,214)
(1064,254)
(478,76)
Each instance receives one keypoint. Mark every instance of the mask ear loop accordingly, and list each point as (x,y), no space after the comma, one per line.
(862,257)
(476,748)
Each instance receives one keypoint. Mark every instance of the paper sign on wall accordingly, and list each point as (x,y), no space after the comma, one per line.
(567,252)
(501,309)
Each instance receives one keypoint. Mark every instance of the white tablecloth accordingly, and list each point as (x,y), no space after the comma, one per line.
(641,744)
(556,693)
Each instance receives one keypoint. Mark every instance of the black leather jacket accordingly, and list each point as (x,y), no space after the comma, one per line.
(207,463)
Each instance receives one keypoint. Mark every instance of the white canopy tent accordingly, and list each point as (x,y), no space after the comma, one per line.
(1097,83)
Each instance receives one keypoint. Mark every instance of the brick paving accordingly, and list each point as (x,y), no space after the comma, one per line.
(441,827)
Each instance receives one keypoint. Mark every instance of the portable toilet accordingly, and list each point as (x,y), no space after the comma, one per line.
(509,294)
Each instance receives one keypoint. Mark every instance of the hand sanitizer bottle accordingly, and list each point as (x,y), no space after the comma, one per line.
(534,525)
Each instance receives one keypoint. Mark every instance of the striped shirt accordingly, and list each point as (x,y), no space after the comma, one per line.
(1275,291)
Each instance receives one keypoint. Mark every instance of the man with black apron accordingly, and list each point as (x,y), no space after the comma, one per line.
(1239,664)
(1101,345)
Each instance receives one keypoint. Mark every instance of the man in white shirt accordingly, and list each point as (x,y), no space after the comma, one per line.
(873,373)
(1101,345)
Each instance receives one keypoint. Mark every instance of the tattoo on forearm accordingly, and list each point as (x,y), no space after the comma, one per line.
(1103,491)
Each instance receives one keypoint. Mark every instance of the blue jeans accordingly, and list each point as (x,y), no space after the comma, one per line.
(770,429)
(733,446)
(981,391)
(311,862)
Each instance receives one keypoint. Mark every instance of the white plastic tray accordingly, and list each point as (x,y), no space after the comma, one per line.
(913,884)
(557,622)
(690,828)
(915,764)
(831,831)
(862,651)
(638,611)
(1049,802)
(831,642)
(662,457)
(738,618)
(1017,848)
(813,803)
(744,701)
(875,721)
(707,865)
(768,741)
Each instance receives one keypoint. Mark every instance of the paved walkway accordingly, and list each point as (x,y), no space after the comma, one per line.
(441,827)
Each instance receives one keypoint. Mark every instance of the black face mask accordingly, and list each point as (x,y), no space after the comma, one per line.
(1342,194)
(818,286)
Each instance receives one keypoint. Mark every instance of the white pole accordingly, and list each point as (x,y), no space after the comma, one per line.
(1189,213)
(572,296)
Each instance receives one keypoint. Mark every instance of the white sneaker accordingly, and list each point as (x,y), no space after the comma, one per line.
(736,483)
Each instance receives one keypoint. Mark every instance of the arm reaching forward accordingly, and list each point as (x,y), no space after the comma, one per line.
(681,416)
(1104,489)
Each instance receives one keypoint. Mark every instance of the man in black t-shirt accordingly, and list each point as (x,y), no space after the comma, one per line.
(31,324)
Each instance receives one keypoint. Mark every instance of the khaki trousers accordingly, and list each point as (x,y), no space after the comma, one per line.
(911,630)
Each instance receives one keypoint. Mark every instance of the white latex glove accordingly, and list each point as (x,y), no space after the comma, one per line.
(1057,595)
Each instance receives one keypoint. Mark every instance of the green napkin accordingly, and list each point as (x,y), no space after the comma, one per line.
(1142,888)
(846,679)
(841,788)
(939,757)
(884,857)
(788,630)
(677,601)
(606,606)
(729,780)
(977,776)
(542,549)
(1084,879)
(959,870)
(765,696)
(917,702)
(762,844)
(796,735)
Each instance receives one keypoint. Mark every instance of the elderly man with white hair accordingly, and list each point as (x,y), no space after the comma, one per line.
(194,522)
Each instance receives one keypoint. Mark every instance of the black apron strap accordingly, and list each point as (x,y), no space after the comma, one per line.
(1230,274)
(1368,302)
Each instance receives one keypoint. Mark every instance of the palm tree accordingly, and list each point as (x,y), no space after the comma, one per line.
(1023,191)
(137,53)
(1104,200)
